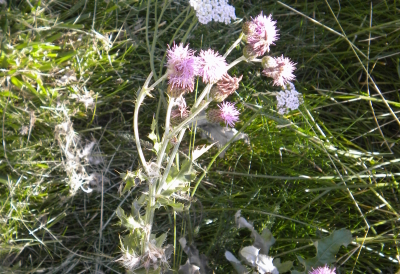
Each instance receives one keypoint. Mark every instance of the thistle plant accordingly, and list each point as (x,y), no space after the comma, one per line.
(166,180)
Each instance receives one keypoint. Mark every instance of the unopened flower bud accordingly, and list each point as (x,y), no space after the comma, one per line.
(175,91)
(225,87)
(179,113)
(249,53)
(268,62)
(248,28)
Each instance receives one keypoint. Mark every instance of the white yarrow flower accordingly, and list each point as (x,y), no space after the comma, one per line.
(288,99)
(217,10)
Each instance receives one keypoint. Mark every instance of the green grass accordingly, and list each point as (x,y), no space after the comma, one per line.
(345,132)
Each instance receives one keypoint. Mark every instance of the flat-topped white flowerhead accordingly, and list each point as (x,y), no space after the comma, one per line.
(217,10)
(288,99)
(182,67)
(212,66)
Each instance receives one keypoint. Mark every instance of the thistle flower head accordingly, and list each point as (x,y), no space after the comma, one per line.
(280,69)
(227,113)
(288,99)
(225,87)
(323,270)
(182,67)
(261,33)
(212,66)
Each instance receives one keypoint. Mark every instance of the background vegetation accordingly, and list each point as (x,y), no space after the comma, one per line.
(336,167)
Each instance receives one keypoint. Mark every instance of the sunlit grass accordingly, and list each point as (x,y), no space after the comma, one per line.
(335,167)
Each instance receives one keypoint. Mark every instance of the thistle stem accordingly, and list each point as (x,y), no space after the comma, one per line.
(206,90)
(166,132)
(170,162)
(234,45)
(139,101)
(237,61)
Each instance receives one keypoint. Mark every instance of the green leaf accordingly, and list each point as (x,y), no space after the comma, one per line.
(44,166)
(200,151)
(179,179)
(188,268)
(16,82)
(8,93)
(326,249)
(283,267)
(154,138)
(132,179)
(160,240)
(263,241)
(128,222)
(163,201)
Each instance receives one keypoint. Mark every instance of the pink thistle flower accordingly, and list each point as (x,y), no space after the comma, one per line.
(280,69)
(227,113)
(212,66)
(182,67)
(261,33)
(323,270)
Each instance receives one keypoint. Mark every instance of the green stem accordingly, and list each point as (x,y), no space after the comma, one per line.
(166,132)
(206,90)
(189,119)
(149,212)
(139,101)
(234,45)
(170,162)
(237,61)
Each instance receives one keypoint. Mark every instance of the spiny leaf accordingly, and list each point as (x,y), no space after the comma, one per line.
(132,179)
(200,151)
(283,267)
(326,249)
(153,137)
(128,222)
(178,179)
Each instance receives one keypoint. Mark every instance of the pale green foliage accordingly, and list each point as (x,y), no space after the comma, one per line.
(326,250)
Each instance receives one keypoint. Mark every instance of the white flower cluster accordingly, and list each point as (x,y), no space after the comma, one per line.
(288,99)
(217,10)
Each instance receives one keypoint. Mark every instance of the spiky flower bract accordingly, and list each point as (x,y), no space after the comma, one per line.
(176,91)
(212,66)
(227,113)
(261,34)
(323,270)
(225,87)
(180,112)
(280,69)
(182,67)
